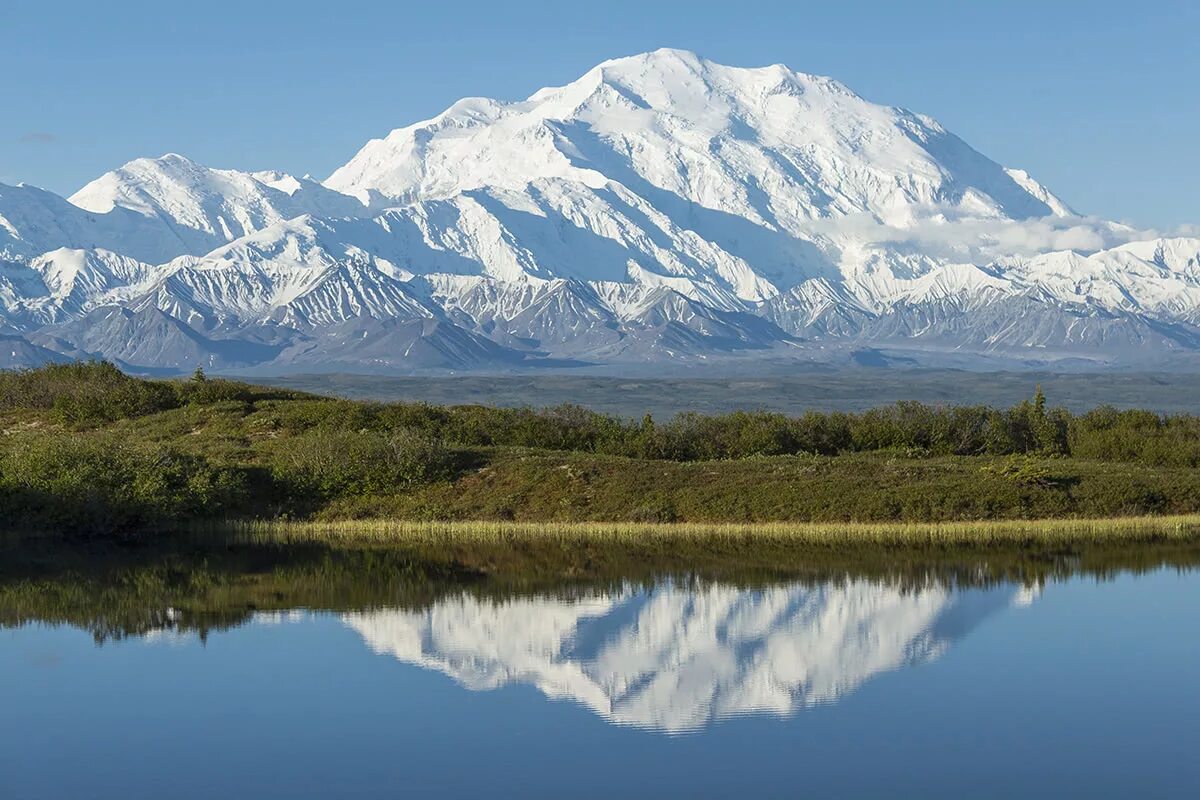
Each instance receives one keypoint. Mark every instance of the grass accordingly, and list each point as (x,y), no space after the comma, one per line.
(982,534)
(531,553)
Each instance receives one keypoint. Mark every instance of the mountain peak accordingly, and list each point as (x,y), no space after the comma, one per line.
(135,183)
(662,58)
(173,159)
(778,147)
(675,59)
(198,208)
(695,209)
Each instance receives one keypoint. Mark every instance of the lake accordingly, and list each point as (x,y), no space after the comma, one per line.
(845,685)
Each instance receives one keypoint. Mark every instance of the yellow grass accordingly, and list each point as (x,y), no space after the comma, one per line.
(1116,531)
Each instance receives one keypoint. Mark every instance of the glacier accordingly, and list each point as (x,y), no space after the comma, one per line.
(660,210)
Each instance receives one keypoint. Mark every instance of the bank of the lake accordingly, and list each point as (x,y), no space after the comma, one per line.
(981,535)
(218,576)
(88,451)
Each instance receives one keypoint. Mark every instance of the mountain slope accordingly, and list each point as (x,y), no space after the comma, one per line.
(662,208)
(688,169)
(203,208)
(698,130)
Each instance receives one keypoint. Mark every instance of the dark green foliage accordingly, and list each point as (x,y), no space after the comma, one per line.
(326,464)
(1135,436)
(210,391)
(95,393)
(300,416)
(103,484)
(88,393)
(85,393)
(903,427)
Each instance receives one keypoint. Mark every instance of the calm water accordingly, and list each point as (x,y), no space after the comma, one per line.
(848,687)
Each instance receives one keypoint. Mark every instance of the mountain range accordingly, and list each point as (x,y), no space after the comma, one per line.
(662,210)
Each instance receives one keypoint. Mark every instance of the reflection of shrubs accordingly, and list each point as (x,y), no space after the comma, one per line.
(333,463)
(102,484)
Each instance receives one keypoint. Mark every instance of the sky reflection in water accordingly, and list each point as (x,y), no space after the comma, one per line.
(851,687)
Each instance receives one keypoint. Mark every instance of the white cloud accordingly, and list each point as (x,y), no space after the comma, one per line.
(942,233)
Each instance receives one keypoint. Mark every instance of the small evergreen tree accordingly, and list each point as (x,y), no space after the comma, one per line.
(647,440)
(1049,428)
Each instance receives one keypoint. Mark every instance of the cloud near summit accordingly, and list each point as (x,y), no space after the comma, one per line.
(942,233)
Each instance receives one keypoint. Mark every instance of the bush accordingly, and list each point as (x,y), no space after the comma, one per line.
(1025,471)
(211,391)
(1106,434)
(336,463)
(302,416)
(101,484)
(565,427)
(85,393)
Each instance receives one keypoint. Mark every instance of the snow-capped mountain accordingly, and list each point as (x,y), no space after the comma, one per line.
(676,658)
(661,208)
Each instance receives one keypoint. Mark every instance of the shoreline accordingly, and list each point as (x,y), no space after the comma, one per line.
(219,575)
(1176,529)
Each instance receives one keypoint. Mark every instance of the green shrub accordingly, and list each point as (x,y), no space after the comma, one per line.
(1106,434)
(565,427)
(100,483)
(655,507)
(217,390)
(85,393)
(301,416)
(334,463)
(1026,471)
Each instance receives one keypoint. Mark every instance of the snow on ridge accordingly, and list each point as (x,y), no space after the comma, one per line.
(698,130)
(560,224)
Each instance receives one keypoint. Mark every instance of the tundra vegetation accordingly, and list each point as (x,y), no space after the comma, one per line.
(89,450)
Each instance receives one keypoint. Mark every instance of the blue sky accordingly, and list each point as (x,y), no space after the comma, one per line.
(1099,100)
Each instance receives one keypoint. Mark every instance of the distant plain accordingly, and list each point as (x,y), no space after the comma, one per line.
(794,393)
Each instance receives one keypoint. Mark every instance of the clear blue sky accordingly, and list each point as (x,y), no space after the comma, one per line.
(1099,100)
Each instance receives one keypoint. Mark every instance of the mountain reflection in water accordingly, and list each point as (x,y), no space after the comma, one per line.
(675,657)
(232,671)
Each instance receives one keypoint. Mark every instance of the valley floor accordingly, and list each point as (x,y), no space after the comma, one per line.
(788,388)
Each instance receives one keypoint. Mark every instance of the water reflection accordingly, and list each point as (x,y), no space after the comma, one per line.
(132,673)
(676,656)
